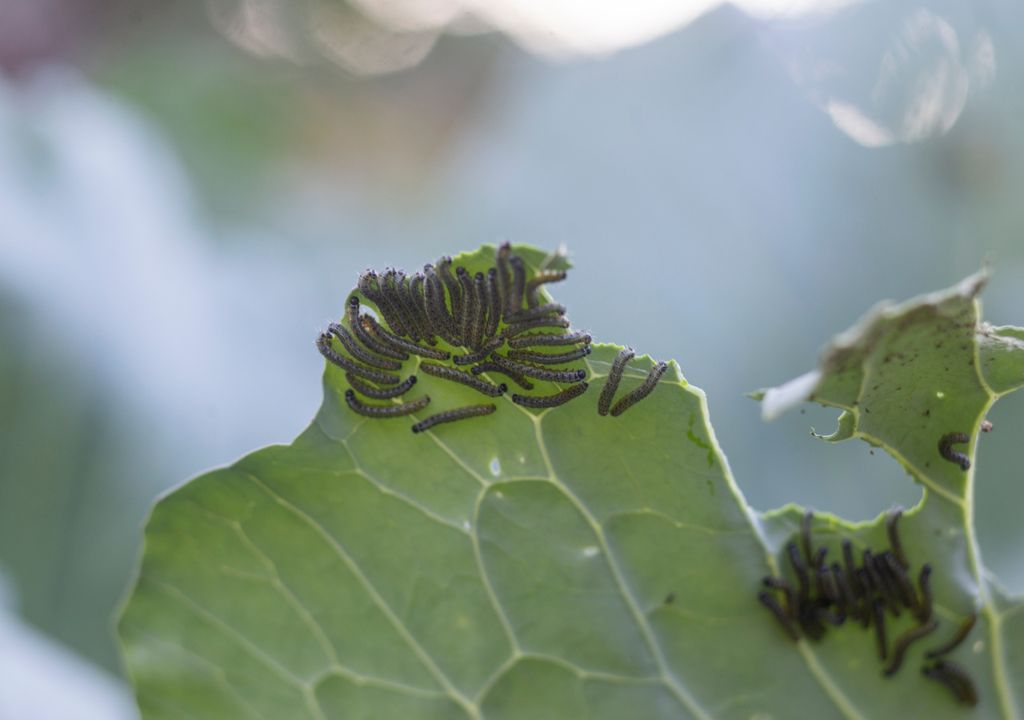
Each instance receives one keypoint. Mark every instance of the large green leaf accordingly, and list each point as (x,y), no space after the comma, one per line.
(547,564)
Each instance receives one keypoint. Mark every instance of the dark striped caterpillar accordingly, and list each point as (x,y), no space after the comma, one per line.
(954,456)
(826,594)
(450,313)
(611,386)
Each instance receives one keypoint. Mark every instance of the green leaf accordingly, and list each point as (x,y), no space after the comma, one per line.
(905,376)
(537,564)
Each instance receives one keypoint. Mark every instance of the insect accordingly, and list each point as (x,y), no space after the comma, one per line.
(649,383)
(958,637)
(954,456)
(384,411)
(470,411)
(955,678)
(449,313)
(546,401)
(611,385)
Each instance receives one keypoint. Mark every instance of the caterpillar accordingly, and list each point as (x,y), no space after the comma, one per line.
(377,346)
(522,326)
(892,530)
(954,456)
(448,416)
(534,283)
(958,637)
(641,392)
(899,648)
(539,373)
(493,303)
(784,620)
(955,678)
(540,311)
(401,343)
(356,350)
(380,393)
(518,287)
(925,588)
(464,378)
(545,359)
(385,411)
(494,367)
(546,401)
(323,344)
(604,402)
(477,355)
(544,339)
(806,523)
(878,616)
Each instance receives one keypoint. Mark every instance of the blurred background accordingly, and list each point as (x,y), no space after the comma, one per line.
(188,189)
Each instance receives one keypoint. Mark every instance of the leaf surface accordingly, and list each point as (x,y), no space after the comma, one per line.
(540,564)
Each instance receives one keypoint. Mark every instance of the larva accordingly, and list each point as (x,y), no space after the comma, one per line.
(418,301)
(800,569)
(493,367)
(437,310)
(385,411)
(550,309)
(885,584)
(785,622)
(775,583)
(394,308)
(410,292)
(542,322)
(955,678)
(477,355)
(899,648)
(545,339)
(614,378)
(899,580)
(464,378)
(444,271)
(544,359)
(515,294)
(377,346)
(356,350)
(448,416)
(323,344)
(479,311)
(547,401)
(493,304)
(542,277)
(958,637)
(892,529)
(380,393)
(924,612)
(468,305)
(806,543)
(954,456)
(878,608)
(401,343)
(540,373)
(504,278)
(641,392)
(850,566)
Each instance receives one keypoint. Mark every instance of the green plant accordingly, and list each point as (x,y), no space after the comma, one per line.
(559,564)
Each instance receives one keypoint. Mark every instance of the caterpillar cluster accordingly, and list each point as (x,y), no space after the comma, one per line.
(831,593)
(494,322)
(611,386)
